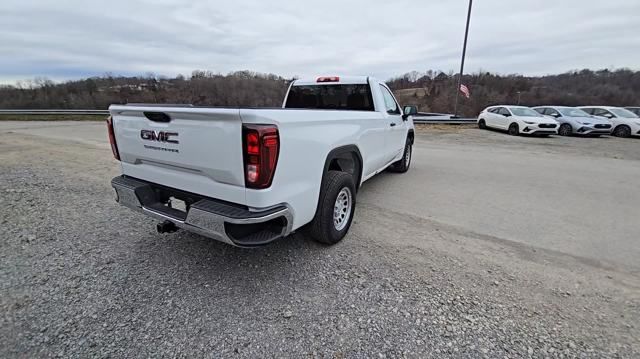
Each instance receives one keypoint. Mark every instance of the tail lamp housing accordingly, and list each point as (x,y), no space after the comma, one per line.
(261,147)
(112,138)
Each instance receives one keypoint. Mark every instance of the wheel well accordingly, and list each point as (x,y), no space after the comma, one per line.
(347,162)
(411,136)
(345,159)
(620,126)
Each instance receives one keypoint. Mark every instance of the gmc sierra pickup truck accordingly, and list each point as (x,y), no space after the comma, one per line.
(248,176)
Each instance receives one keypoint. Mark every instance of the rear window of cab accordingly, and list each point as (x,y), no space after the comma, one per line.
(354,97)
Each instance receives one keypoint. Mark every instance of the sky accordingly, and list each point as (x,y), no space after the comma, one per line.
(64,40)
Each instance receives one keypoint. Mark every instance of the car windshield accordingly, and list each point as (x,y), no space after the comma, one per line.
(621,112)
(573,112)
(523,111)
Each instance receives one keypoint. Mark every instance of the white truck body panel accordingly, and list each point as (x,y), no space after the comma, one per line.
(208,160)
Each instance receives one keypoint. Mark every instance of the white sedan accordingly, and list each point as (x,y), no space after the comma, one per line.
(517,120)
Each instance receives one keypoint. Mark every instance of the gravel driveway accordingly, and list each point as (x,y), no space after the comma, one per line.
(82,277)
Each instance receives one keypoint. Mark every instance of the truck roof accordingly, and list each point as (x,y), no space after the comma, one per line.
(333,79)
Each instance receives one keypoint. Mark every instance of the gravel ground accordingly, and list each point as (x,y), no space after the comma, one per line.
(82,277)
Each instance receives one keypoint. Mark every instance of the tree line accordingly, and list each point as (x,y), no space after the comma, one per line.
(432,91)
(435,91)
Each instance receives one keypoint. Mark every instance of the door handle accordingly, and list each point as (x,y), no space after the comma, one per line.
(392,124)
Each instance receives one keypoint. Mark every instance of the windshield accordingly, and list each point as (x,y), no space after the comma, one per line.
(523,111)
(620,112)
(573,112)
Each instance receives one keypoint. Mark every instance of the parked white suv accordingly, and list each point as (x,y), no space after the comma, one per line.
(249,176)
(625,123)
(517,120)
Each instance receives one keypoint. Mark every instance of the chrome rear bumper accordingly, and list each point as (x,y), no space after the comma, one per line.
(229,223)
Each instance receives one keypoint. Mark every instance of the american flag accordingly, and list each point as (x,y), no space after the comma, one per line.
(465,91)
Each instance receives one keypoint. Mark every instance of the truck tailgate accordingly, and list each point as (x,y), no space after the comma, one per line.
(197,150)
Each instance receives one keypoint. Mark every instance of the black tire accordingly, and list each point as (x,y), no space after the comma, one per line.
(514,130)
(565,130)
(482,124)
(322,228)
(622,131)
(402,165)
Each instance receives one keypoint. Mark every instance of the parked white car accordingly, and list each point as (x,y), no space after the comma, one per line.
(625,123)
(248,176)
(633,109)
(517,120)
(574,121)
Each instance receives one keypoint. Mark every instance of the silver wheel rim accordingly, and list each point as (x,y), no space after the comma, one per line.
(342,209)
(407,158)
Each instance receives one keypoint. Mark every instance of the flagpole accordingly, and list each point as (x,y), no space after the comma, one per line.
(464,52)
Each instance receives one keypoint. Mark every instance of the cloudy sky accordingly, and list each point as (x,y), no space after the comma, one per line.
(71,39)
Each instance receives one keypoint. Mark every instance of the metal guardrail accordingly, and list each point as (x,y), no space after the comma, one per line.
(431,119)
(444,121)
(54,112)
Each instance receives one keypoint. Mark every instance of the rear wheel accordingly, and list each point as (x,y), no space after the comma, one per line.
(336,207)
(403,164)
(622,131)
(482,124)
(514,130)
(565,130)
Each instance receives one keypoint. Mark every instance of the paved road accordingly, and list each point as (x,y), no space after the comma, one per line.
(585,205)
(572,195)
(88,132)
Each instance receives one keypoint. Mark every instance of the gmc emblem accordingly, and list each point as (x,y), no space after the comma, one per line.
(159,136)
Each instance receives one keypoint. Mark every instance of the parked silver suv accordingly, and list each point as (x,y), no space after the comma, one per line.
(574,121)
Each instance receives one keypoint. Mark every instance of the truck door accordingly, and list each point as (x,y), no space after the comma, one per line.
(397,132)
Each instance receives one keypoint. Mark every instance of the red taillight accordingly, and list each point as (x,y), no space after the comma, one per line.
(112,138)
(261,146)
(328,79)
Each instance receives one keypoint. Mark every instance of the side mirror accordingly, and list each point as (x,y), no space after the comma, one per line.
(410,110)
(506,114)
(556,115)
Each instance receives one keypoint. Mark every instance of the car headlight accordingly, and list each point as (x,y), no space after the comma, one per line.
(586,123)
(529,123)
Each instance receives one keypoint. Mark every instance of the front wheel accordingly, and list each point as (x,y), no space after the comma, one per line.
(482,124)
(402,165)
(565,130)
(336,207)
(514,130)
(622,131)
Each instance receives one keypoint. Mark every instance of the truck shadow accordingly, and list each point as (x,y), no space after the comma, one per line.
(194,257)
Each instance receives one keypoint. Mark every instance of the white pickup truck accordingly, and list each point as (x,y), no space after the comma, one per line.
(248,176)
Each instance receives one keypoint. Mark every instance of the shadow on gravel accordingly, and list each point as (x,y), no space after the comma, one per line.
(197,259)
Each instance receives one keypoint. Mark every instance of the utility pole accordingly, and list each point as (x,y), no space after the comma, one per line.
(464,52)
